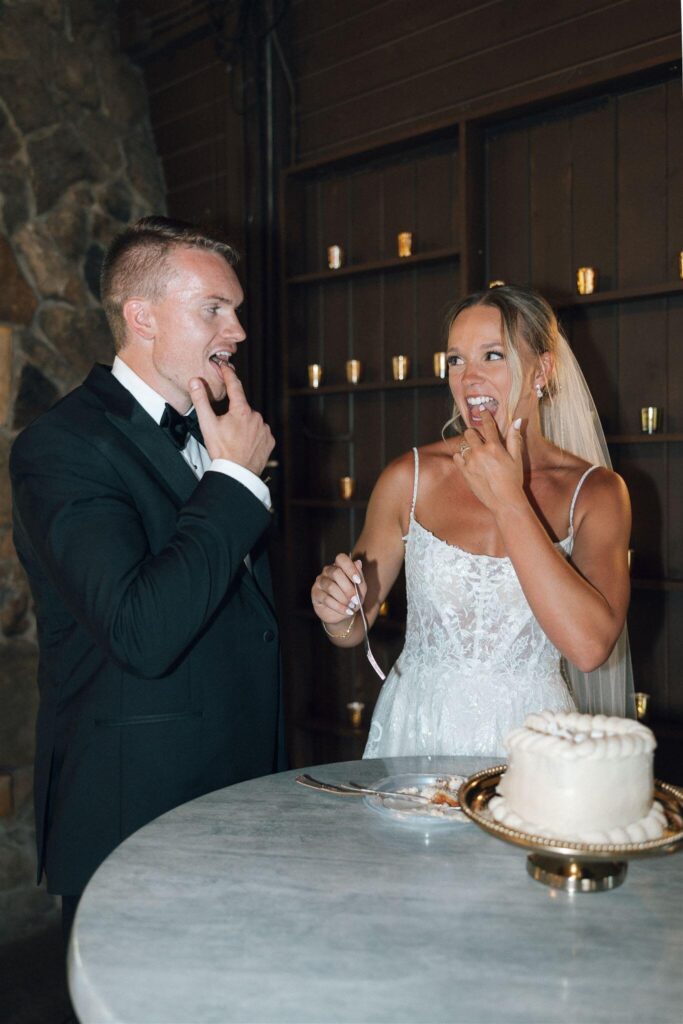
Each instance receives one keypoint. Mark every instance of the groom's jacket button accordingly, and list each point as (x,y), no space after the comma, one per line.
(269,636)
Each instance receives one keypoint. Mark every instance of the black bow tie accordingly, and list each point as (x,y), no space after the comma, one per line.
(179,427)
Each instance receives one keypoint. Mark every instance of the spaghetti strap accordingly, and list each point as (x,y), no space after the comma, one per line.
(415,481)
(575,496)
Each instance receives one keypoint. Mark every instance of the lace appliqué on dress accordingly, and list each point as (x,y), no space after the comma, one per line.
(475,660)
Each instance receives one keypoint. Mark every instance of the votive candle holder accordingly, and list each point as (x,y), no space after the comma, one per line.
(335,257)
(315,375)
(354,370)
(400,367)
(347,487)
(586,280)
(440,365)
(405,243)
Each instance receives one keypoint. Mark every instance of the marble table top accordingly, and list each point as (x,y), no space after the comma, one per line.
(268,902)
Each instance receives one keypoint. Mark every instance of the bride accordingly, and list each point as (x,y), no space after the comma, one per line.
(514,534)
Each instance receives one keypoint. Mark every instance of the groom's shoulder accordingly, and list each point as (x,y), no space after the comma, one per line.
(79,412)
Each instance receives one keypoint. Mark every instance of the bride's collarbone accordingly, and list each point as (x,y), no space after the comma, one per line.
(455,515)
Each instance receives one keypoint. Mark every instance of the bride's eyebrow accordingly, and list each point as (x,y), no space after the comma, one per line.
(485,345)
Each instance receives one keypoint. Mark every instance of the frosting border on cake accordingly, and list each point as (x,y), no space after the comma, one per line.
(652,826)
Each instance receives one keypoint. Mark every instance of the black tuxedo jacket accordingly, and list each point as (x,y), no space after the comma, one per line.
(159,651)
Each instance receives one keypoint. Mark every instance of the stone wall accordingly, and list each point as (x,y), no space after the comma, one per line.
(77,162)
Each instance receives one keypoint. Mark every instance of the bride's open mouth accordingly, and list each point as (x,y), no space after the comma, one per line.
(475,405)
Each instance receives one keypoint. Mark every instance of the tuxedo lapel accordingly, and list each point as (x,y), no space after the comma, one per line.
(151,444)
(163,460)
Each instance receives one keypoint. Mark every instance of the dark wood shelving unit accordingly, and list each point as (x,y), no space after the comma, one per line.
(375,266)
(332,503)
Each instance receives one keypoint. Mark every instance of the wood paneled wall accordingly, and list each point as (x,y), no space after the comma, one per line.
(367,71)
(197,127)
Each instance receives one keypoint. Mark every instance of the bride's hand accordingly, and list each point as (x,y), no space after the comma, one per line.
(493,468)
(333,594)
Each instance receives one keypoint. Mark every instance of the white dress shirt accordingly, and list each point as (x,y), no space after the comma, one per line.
(194,453)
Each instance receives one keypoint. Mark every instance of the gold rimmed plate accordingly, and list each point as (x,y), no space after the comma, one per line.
(565,863)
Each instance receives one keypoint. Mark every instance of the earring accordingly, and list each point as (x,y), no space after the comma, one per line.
(539,391)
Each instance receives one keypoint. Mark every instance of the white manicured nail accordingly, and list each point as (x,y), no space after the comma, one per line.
(517,423)
(356,578)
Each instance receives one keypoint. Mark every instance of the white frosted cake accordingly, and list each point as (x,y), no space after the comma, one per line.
(586,778)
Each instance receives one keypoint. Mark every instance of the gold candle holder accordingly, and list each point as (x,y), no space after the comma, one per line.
(586,280)
(405,243)
(642,706)
(354,370)
(355,709)
(335,256)
(315,375)
(384,610)
(400,367)
(496,283)
(680,265)
(649,419)
(347,487)
(440,366)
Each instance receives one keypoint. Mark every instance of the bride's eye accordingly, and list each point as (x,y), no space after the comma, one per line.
(495,356)
(454,360)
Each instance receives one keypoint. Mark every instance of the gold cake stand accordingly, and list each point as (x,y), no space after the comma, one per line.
(563,863)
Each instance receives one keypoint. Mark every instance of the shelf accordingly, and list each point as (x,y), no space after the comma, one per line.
(376,266)
(320,725)
(642,438)
(328,503)
(651,291)
(670,585)
(389,385)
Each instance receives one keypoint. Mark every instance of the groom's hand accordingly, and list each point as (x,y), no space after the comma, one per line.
(239,434)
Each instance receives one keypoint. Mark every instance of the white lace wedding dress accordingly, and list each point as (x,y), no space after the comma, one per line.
(475,660)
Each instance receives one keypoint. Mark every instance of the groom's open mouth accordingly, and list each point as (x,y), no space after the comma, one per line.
(219,359)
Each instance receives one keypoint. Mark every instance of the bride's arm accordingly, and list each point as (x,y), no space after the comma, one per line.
(380,551)
(581,606)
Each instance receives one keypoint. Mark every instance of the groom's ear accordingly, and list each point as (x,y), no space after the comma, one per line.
(139,318)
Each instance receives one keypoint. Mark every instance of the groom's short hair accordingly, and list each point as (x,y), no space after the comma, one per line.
(136,263)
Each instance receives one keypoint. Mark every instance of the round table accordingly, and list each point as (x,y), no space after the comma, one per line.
(269,902)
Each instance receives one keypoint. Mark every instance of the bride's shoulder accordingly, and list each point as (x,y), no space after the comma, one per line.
(431,458)
(437,458)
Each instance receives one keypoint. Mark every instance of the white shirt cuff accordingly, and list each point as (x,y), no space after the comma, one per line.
(243,476)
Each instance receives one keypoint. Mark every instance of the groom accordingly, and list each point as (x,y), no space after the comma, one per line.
(143,534)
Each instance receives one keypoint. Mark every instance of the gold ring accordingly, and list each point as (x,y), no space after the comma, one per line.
(465,448)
